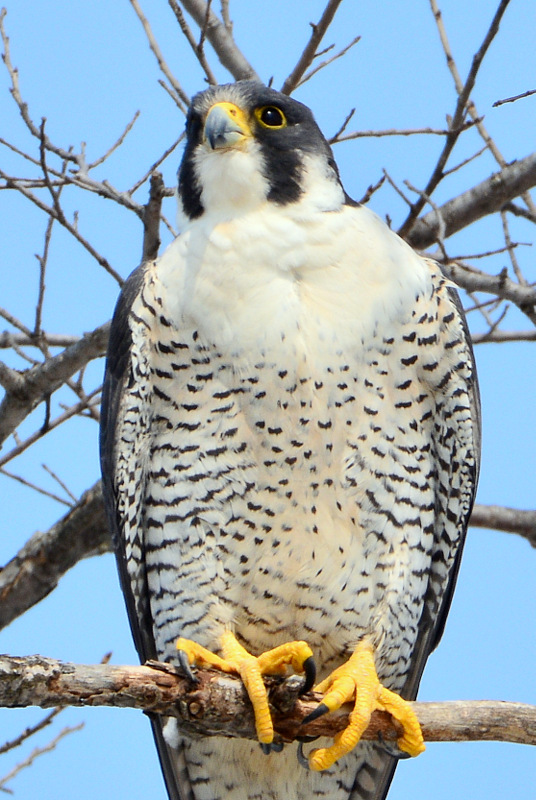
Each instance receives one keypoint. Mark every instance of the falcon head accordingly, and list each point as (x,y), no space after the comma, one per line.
(247,145)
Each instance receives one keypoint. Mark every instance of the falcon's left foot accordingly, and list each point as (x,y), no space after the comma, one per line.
(356,681)
(251,669)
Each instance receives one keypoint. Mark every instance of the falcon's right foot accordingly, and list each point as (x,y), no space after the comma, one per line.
(251,669)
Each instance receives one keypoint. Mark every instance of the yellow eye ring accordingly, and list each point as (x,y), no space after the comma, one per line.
(270,117)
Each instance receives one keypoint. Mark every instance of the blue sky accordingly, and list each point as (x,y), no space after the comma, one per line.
(87,68)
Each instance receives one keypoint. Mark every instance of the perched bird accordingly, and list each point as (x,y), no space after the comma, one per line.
(290,447)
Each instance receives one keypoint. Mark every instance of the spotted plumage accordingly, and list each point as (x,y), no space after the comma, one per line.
(290,434)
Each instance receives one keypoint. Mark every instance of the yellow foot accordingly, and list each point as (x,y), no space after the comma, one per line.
(357,681)
(236,659)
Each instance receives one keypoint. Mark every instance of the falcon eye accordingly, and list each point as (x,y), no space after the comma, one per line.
(271,117)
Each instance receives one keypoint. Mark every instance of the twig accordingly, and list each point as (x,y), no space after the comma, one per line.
(36,569)
(309,52)
(151,220)
(514,98)
(217,703)
(38,751)
(372,189)
(180,96)
(472,280)
(457,118)
(328,61)
(196,46)
(394,132)
(34,486)
(221,39)
(9,339)
(22,106)
(499,337)
(510,247)
(485,198)
(63,485)
(471,108)
(30,731)
(155,166)
(58,214)
(116,144)
(43,380)
(49,426)
(510,520)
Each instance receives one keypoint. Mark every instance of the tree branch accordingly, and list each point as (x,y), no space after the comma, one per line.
(41,381)
(36,569)
(221,39)
(510,520)
(485,198)
(217,704)
(311,47)
(457,120)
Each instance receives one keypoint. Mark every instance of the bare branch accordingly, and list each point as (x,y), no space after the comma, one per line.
(116,144)
(485,198)
(196,46)
(179,95)
(310,51)
(36,569)
(30,731)
(151,219)
(328,61)
(38,751)
(34,486)
(41,381)
(9,339)
(517,211)
(498,337)
(514,98)
(473,280)
(49,425)
(511,520)
(221,39)
(217,704)
(22,106)
(56,212)
(394,132)
(457,120)
(155,165)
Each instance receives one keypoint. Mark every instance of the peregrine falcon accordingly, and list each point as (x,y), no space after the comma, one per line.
(290,448)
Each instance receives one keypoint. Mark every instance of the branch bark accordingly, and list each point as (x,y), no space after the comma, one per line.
(485,198)
(218,705)
(38,383)
(36,569)
(510,520)
(221,40)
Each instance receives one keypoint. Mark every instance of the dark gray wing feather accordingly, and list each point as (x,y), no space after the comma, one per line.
(118,377)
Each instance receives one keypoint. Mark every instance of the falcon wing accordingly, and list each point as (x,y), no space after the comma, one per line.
(374,779)
(125,419)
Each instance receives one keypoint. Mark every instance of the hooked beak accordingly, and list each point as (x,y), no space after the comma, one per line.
(226,127)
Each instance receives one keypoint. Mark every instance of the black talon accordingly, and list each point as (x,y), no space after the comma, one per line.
(185,666)
(302,758)
(309,667)
(319,711)
(271,747)
(392,749)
